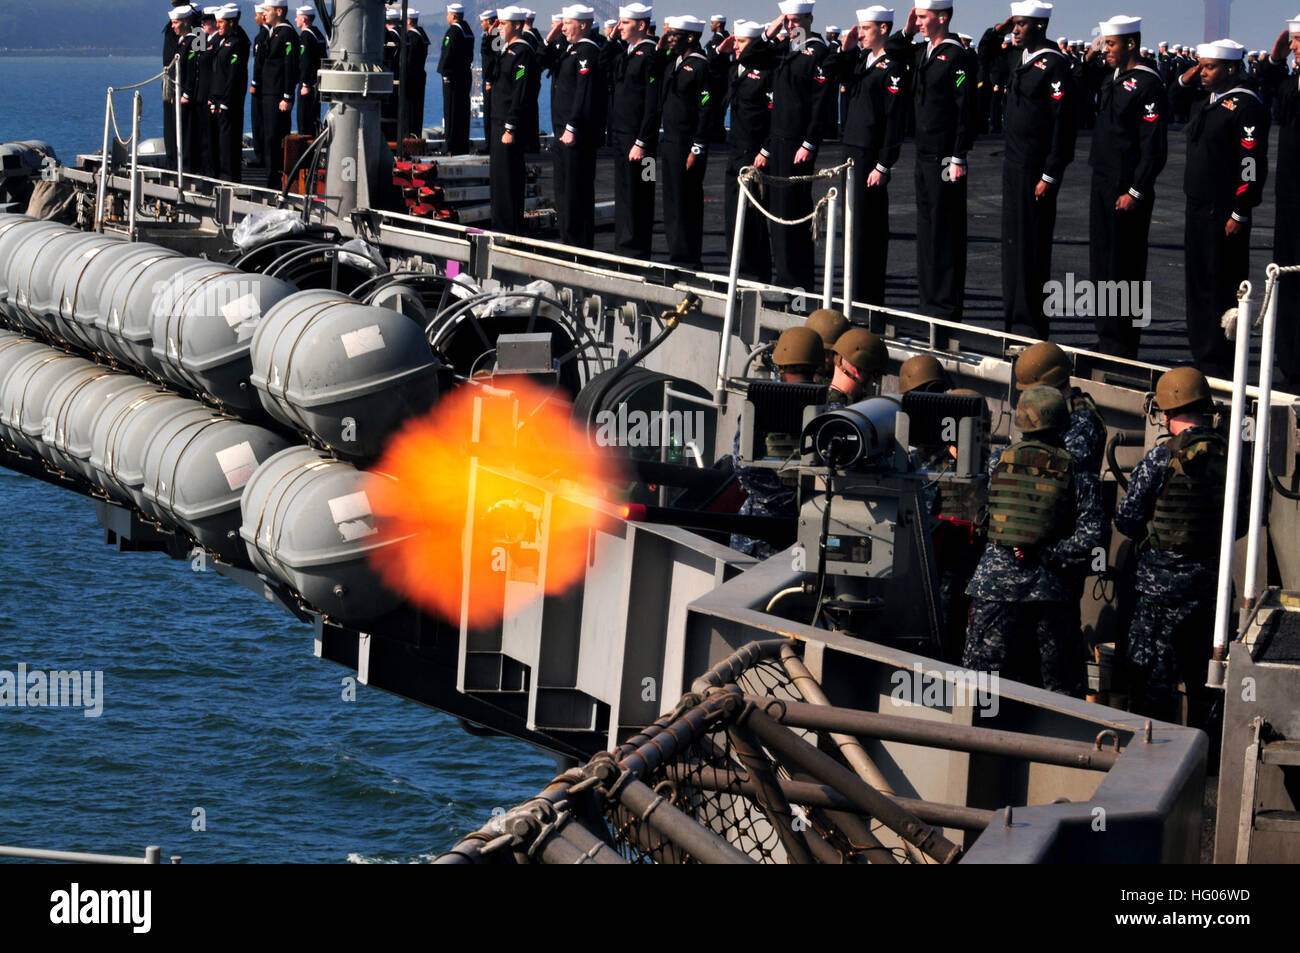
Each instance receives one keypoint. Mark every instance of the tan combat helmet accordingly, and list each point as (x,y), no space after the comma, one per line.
(798,348)
(922,372)
(862,349)
(828,323)
(1182,389)
(1041,408)
(1043,363)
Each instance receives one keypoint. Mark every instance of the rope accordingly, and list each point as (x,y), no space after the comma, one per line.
(112,112)
(750,174)
(1274,272)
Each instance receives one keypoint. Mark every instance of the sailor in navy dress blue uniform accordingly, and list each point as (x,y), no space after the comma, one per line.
(312,48)
(1227,165)
(1129,147)
(516,82)
(456,66)
(1039,126)
(634,129)
(1284,84)
(799,88)
(749,99)
(687,108)
(876,89)
(946,100)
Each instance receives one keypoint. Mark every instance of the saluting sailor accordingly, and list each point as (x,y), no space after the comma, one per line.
(1285,85)
(799,87)
(877,88)
(634,128)
(946,100)
(749,97)
(1129,149)
(687,112)
(1040,127)
(1227,165)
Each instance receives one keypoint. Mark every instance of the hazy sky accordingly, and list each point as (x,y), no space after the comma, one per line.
(1255,23)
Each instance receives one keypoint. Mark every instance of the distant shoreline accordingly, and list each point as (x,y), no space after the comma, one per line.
(81,51)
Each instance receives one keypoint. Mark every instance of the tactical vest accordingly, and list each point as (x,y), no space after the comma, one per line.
(1189,509)
(1030,495)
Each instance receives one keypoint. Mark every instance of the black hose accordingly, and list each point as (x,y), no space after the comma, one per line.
(1117,439)
(1280,490)
(309,193)
(599,402)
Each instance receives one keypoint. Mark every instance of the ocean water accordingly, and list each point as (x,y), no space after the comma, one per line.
(61,99)
(215,712)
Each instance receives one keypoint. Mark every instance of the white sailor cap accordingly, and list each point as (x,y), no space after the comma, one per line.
(180,13)
(1220,50)
(1031,9)
(1293,25)
(305,11)
(511,14)
(412,13)
(718,18)
(489,14)
(794,8)
(557,17)
(875,15)
(1146,50)
(228,12)
(748,30)
(937,6)
(455,8)
(686,24)
(392,13)
(965,36)
(578,11)
(832,29)
(635,11)
(611,22)
(529,14)
(210,11)
(1120,26)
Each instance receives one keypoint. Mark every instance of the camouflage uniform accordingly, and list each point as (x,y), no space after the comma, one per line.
(1174,619)
(1012,598)
(1085,438)
(766,495)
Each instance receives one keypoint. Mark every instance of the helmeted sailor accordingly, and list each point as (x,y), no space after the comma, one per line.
(1129,149)
(1285,86)
(687,109)
(578,110)
(1039,123)
(801,83)
(797,355)
(876,83)
(945,98)
(312,48)
(456,66)
(517,81)
(1227,165)
(829,325)
(860,359)
(1173,508)
(634,131)
(1044,520)
(749,98)
(229,80)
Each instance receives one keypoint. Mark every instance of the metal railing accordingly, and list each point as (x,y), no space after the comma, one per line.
(152,855)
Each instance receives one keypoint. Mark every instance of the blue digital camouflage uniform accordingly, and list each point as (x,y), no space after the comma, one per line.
(766,495)
(1173,621)
(1085,438)
(1014,598)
